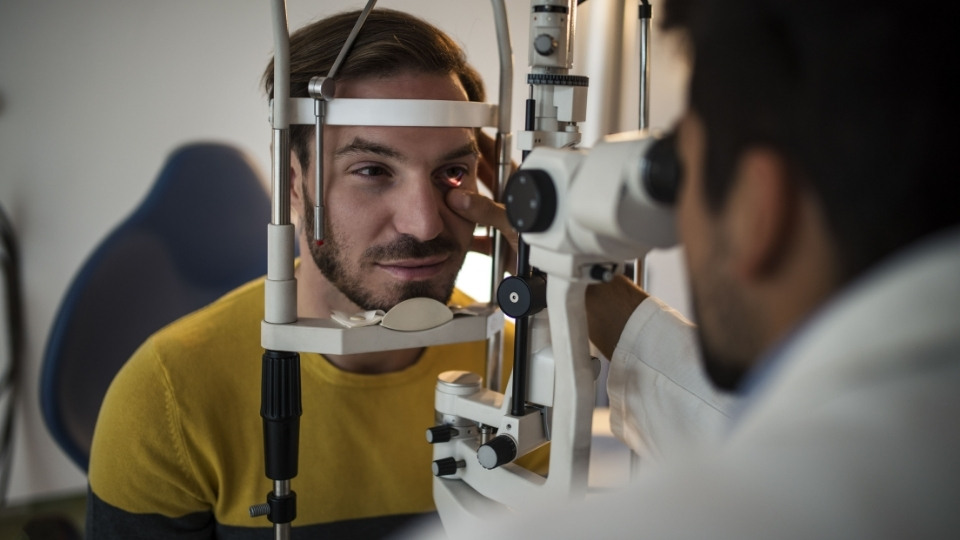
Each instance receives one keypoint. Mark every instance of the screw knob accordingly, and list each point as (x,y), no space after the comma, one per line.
(497,451)
(441,433)
(520,296)
(544,44)
(446,466)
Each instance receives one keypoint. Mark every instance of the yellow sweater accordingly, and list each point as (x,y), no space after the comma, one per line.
(179,444)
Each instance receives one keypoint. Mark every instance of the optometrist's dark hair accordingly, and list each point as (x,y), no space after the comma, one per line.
(859,96)
(389,43)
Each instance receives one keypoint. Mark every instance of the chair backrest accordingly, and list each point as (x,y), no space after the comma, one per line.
(200,232)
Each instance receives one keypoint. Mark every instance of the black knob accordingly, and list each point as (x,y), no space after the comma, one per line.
(280,408)
(446,466)
(522,296)
(531,200)
(441,433)
(497,451)
(603,272)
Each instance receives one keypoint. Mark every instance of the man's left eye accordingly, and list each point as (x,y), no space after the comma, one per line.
(371,170)
(453,176)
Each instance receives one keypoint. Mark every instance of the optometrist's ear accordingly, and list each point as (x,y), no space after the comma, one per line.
(760,213)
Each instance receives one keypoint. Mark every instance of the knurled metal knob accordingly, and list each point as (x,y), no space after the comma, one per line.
(441,433)
(497,451)
(446,466)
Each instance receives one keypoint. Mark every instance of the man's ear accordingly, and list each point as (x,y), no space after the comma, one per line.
(761,213)
(296,182)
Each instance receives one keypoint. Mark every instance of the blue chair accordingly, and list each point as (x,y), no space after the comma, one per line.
(200,232)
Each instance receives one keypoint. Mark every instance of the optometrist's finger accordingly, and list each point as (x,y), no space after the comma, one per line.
(482,210)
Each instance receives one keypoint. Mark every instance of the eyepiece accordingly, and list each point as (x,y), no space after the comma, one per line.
(660,170)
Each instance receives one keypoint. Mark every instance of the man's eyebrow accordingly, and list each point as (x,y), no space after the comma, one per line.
(469,149)
(360,145)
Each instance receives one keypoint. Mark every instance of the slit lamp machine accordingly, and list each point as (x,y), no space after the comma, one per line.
(580,214)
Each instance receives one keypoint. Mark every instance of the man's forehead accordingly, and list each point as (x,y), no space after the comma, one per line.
(407,84)
(401,142)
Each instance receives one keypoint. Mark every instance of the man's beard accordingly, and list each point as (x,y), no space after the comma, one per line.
(725,331)
(330,260)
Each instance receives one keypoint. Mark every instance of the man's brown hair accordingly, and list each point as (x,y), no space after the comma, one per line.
(389,43)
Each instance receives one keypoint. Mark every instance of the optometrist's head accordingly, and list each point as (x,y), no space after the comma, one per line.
(807,159)
(389,235)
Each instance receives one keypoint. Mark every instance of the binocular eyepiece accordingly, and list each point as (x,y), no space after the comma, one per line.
(641,169)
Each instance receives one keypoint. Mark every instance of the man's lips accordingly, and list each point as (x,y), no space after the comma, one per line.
(415,269)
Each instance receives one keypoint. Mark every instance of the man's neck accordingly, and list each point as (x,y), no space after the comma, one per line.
(318,298)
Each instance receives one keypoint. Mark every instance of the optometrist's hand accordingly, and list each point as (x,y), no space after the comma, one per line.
(609,307)
(482,210)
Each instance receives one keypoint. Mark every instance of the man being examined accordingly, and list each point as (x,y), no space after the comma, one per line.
(178,447)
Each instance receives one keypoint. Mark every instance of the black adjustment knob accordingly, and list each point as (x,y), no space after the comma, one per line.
(544,44)
(603,272)
(441,433)
(522,296)
(531,200)
(281,408)
(446,466)
(497,451)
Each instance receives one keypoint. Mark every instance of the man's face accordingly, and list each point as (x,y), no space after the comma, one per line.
(389,235)
(725,326)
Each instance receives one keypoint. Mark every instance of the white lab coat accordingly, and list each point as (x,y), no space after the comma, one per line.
(661,404)
(854,434)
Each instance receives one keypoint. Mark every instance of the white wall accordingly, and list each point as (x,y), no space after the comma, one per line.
(95,94)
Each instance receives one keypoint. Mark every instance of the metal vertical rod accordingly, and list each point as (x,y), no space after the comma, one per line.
(645,13)
(281,531)
(521,339)
(280,186)
(320,107)
(521,370)
(280,118)
(504,167)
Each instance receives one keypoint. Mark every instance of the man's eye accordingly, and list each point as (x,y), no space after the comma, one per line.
(370,170)
(453,176)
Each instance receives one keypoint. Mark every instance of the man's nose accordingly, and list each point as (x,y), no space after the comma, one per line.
(417,210)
